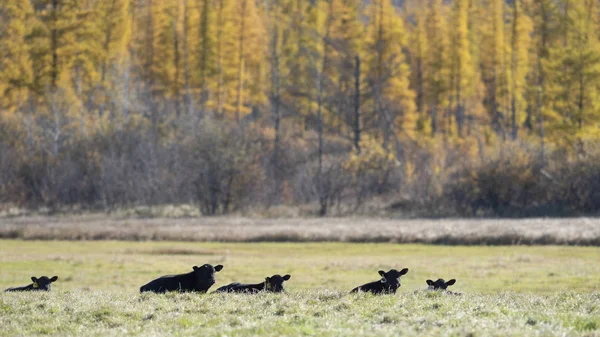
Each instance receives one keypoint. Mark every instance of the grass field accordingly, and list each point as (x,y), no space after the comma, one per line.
(315,313)
(507,290)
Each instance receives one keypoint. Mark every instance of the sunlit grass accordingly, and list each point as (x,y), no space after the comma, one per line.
(507,290)
(321,313)
(117,265)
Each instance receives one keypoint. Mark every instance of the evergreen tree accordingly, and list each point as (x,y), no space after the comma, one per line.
(16,71)
(520,43)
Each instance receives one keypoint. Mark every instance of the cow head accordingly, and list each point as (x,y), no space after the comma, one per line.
(205,275)
(275,283)
(391,279)
(440,284)
(43,283)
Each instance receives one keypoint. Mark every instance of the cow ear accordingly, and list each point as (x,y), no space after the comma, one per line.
(268,280)
(218,267)
(451,282)
(404,271)
(429,282)
(381,272)
(287,277)
(34,279)
(196,268)
(53,279)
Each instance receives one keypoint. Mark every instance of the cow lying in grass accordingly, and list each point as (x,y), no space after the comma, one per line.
(39,284)
(271,284)
(441,285)
(389,283)
(200,279)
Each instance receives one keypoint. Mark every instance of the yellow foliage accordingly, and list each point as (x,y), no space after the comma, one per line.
(372,159)
(116,60)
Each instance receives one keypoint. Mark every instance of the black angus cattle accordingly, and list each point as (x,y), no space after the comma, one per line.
(389,283)
(39,284)
(271,284)
(441,285)
(200,279)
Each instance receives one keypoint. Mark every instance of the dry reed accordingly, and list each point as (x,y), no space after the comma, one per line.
(557,231)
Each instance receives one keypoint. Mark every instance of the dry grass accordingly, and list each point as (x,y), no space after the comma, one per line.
(563,231)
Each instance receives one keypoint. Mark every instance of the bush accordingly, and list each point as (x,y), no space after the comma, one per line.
(374,170)
(516,184)
(501,186)
(223,167)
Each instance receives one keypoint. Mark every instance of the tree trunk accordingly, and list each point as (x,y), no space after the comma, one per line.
(203,57)
(434,117)
(187,101)
(275,103)
(220,98)
(322,193)
(459,110)
(54,45)
(540,85)
(176,64)
(357,104)
(240,78)
(514,67)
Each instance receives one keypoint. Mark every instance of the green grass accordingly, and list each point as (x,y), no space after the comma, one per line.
(118,265)
(516,290)
(316,313)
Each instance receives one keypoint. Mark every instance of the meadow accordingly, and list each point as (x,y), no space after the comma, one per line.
(507,290)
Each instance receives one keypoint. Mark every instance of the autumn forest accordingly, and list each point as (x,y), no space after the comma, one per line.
(420,107)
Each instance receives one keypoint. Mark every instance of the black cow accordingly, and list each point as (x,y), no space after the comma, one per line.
(271,284)
(200,279)
(441,285)
(389,283)
(39,284)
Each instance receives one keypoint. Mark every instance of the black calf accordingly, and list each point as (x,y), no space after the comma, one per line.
(271,284)
(440,284)
(39,284)
(201,279)
(389,283)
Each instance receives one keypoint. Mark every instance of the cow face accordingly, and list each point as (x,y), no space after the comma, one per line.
(205,275)
(392,278)
(43,283)
(275,283)
(440,284)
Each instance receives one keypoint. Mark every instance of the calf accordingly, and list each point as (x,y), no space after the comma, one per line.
(272,284)
(441,285)
(39,284)
(200,279)
(389,283)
